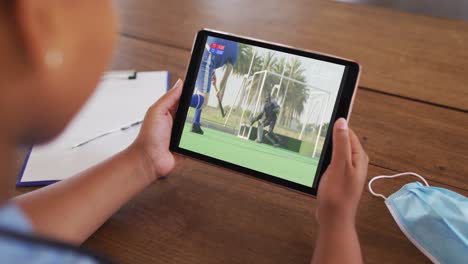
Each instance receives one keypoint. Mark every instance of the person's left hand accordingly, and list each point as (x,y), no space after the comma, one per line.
(155,133)
(342,183)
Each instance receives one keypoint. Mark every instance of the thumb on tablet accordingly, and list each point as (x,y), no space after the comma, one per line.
(341,143)
(170,100)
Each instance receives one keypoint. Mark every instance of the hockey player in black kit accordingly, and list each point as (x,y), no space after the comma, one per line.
(270,110)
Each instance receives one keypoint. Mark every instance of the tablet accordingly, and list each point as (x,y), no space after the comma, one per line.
(262,109)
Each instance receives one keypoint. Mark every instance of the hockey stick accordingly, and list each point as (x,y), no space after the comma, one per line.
(219,99)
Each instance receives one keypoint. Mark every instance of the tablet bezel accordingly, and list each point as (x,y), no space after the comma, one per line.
(342,106)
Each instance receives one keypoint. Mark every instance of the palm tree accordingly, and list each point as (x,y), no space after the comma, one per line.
(244,58)
(269,63)
(245,54)
(292,94)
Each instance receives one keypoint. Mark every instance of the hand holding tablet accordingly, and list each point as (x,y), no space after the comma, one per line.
(342,183)
(270,111)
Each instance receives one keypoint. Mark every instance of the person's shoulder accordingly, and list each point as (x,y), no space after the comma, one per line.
(12,218)
(18,244)
(18,247)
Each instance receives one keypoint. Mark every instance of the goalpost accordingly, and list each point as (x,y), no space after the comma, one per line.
(250,99)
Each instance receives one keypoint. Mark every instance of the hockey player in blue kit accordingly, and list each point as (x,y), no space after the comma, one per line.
(218,52)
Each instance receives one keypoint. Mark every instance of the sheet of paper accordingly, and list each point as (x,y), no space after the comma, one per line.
(117,102)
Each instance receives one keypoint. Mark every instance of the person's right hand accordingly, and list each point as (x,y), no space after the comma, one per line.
(155,134)
(342,183)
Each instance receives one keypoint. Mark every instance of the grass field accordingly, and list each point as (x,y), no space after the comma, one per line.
(212,114)
(278,162)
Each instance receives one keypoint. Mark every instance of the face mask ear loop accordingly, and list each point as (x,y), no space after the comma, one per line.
(369,185)
(392,176)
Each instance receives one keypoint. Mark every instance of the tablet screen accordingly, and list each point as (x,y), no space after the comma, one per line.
(262,109)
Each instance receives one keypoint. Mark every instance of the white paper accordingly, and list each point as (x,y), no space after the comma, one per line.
(117,102)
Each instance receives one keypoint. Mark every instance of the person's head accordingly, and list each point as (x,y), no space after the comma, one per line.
(52,55)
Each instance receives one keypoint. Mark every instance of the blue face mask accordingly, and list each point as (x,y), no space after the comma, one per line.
(434,219)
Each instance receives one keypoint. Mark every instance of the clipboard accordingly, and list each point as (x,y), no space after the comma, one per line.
(120,100)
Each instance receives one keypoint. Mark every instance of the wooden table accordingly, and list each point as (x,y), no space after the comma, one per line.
(411,113)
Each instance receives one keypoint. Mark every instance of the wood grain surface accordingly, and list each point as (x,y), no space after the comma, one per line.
(411,114)
(204,214)
(413,56)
